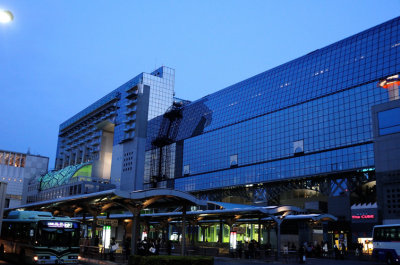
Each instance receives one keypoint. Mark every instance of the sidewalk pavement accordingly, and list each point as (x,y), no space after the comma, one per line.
(89,261)
(231,261)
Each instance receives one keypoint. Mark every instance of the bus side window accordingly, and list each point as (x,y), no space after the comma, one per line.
(386,234)
(396,236)
(17,231)
(393,234)
(10,229)
(378,234)
(25,233)
(4,230)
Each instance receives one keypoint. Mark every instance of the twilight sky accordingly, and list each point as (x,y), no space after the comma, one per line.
(58,57)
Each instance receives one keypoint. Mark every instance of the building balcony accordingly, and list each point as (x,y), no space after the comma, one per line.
(130,103)
(132,89)
(130,119)
(130,111)
(129,135)
(129,128)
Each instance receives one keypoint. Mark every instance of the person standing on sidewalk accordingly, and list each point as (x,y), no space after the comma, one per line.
(113,248)
(302,254)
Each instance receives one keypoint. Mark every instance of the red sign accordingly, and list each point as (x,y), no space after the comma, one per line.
(364,216)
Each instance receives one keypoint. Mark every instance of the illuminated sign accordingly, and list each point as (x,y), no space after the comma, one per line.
(144,235)
(108,222)
(239,229)
(363,216)
(54,224)
(232,240)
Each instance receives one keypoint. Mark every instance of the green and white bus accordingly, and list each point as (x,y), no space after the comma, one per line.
(31,237)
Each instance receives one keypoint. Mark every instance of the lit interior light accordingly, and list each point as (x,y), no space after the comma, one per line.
(6,16)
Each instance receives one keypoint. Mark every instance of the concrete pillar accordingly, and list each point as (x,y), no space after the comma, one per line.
(305,233)
(201,231)
(84,147)
(70,159)
(183,245)
(3,188)
(169,231)
(325,231)
(76,157)
(64,162)
(94,227)
(278,239)
(221,229)
(190,232)
(135,231)
(230,230)
(194,233)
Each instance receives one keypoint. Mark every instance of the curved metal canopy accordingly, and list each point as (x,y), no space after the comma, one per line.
(114,201)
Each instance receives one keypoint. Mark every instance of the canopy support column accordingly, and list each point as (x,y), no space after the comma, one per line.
(135,228)
(94,213)
(221,229)
(183,248)
(278,239)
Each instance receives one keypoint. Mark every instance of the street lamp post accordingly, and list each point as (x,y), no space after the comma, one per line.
(6,16)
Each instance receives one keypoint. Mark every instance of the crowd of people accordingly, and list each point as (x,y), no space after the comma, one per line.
(148,247)
(248,249)
(252,249)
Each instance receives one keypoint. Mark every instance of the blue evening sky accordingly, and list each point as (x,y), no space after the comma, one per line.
(57,57)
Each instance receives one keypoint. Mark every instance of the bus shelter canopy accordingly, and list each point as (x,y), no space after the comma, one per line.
(113,201)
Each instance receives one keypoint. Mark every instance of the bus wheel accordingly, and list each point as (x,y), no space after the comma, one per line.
(389,259)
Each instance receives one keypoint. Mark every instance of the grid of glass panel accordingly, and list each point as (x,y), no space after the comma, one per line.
(323,99)
(389,121)
(161,83)
(336,121)
(365,57)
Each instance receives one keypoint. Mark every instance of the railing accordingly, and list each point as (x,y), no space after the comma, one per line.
(215,250)
(101,253)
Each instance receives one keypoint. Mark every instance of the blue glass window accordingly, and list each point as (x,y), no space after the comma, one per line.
(389,121)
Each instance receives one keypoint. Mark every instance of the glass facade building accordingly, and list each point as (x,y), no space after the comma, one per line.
(100,137)
(308,119)
(304,134)
(80,136)
(299,134)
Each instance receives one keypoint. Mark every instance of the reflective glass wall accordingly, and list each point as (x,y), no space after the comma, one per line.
(307,117)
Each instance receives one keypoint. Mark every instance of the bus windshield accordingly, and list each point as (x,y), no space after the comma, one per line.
(57,236)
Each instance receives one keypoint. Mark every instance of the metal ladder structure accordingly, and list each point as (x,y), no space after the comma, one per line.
(161,146)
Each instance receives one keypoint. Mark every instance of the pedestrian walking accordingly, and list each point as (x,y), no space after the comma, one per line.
(113,248)
(302,254)
(127,247)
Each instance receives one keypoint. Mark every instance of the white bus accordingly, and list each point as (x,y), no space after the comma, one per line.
(386,242)
(30,237)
